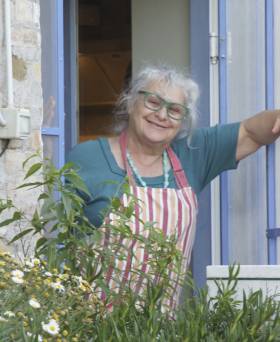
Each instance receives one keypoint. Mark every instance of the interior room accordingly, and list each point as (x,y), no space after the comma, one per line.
(104,40)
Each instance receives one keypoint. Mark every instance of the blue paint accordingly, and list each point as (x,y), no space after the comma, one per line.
(60,79)
(51,131)
(52,14)
(70,74)
(199,64)
(223,119)
(271,199)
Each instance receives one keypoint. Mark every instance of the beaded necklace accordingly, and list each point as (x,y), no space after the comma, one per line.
(140,179)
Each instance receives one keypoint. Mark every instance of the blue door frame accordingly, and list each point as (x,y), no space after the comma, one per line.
(58,131)
(272,231)
(70,66)
(199,64)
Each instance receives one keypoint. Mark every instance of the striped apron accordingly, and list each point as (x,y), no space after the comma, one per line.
(173,211)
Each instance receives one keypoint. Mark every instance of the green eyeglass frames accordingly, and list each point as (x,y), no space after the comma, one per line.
(154,102)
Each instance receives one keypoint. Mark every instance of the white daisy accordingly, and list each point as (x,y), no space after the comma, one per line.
(39,338)
(48,274)
(29,264)
(17,274)
(52,327)
(32,262)
(58,286)
(34,303)
(9,314)
(17,280)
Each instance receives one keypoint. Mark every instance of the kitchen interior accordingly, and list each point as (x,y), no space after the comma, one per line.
(104,58)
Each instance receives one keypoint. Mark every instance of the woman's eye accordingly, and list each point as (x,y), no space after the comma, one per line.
(154,101)
(175,110)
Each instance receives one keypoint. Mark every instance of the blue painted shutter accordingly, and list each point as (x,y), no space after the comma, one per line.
(53,80)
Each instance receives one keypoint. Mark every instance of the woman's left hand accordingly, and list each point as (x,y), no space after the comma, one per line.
(276,126)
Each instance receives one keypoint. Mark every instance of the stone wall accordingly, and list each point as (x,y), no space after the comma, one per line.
(26,51)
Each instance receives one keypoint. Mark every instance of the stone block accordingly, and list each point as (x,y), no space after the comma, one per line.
(23,11)
(28,53)
(24,36)
(19,68)
(36,118)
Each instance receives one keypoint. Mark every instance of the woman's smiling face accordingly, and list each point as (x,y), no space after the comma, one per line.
(155,127)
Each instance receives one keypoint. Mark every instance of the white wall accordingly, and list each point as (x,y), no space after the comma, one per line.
(26,51)
(251,278)
(160,32)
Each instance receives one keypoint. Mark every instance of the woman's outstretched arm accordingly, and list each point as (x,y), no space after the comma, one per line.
(261,129)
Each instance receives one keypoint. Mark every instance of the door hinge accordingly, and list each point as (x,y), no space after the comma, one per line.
(273,233)
(214,47)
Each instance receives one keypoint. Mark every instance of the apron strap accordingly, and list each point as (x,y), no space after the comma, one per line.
(179,173)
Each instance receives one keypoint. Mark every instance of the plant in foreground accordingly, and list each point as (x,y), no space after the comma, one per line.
(55,296)
(36,303)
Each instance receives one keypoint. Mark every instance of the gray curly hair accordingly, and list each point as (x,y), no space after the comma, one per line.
(162,73)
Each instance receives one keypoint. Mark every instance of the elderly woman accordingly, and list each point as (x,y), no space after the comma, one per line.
(168,162)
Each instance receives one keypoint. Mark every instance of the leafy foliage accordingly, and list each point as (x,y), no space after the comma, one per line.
(71,253)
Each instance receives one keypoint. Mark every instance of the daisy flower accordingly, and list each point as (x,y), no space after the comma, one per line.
(39,338)
(33,262)
(48,274)
(34,303)
(58,286)
(52,327)
(17,280)
(17,273)
(9,314)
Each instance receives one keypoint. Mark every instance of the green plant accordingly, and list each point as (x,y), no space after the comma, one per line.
(73,259)
(36,303)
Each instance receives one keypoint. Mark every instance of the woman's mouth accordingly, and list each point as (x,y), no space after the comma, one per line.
(157,124)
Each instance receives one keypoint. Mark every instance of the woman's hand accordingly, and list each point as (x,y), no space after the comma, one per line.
(276,127)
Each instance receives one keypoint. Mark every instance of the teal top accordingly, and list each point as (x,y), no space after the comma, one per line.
(211,151)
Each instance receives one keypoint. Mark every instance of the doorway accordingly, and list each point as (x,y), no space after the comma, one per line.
(104,59)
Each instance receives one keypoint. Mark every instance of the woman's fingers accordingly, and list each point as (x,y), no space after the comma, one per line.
(276,126)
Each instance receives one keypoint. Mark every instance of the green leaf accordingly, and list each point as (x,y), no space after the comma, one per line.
(16,217)
(8,204)
(126,188)
(20,235)
(40,242)
(34,168)
(129,211)
(116,203)
(34,185)
(67,204)
(43,196)
(67,166)
(26,160)
(78,183)
(37,222)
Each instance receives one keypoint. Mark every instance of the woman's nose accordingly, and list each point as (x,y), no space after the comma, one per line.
(162,113)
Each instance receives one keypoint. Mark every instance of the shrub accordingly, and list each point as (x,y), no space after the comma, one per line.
(55,296)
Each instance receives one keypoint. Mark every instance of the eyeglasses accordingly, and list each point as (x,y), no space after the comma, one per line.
(155,103)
